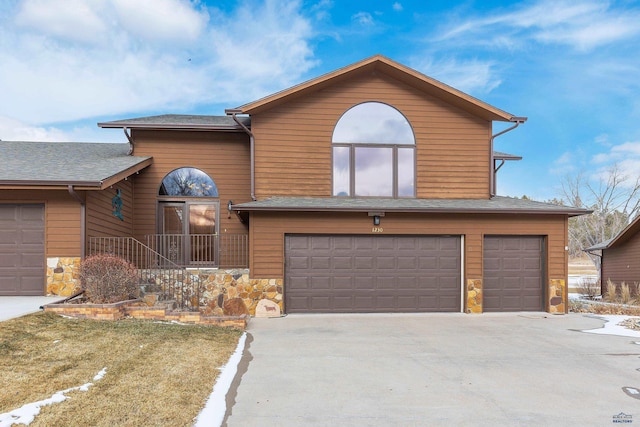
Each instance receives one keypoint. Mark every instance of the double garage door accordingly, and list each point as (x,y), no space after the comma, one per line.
(372,273)
(350,274)
(22,249)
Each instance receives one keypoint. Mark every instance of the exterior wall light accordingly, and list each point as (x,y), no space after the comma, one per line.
(229,206)
(376,220)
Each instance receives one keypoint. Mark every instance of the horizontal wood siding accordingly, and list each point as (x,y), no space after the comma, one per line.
(62,218)
(224,156)
(268,230)
(622,263)
(293,141)
(100,218)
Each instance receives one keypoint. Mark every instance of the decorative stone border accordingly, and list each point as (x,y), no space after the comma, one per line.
(136,309)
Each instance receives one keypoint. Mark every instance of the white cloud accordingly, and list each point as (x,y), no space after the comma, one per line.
(363,18)
(164,20)
(72,20)
(397,7)
(62,63)
(472,76)
(14,130)
(582,25)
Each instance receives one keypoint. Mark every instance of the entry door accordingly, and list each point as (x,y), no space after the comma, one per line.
(188,232)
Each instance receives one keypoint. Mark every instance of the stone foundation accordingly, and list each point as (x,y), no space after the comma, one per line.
(63,276)
(557,296)
(474,295)
(225,292)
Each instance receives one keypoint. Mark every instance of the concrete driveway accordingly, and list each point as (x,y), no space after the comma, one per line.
(434,370)
(11,307)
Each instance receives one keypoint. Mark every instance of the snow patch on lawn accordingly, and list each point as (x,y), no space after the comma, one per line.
(27,413)
(216,406)
(612,326)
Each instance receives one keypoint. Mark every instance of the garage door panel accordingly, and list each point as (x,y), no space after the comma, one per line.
(407,263)
(376,273)
(513,273)
(22,256)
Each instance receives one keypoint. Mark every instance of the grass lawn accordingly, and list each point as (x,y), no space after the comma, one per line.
(157,374)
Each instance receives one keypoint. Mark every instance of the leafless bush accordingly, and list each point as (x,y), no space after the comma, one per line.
(589,287)
(108,279)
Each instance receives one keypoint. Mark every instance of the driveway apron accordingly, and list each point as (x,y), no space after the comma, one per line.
(515,369)
(11,307)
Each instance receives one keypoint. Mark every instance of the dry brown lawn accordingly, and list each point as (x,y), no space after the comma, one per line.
(157,374)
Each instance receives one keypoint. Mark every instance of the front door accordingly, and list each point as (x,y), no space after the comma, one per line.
(188,232)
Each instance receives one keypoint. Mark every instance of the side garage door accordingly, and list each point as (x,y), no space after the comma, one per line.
(22,250)
(372,274)
(513,273)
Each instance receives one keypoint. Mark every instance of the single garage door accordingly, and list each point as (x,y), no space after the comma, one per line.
(22,250)
(513,273)
(344,274)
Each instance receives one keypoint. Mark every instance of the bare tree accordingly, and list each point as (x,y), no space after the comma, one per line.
(614,199)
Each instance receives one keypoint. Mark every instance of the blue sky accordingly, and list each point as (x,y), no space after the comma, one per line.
(572,67)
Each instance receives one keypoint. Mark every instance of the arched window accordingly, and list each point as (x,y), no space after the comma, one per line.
(373,153)
(188,182)
(188,214)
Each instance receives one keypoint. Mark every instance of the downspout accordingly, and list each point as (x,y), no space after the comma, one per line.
(518,121)
(251,148)
(83,232)
(130,139)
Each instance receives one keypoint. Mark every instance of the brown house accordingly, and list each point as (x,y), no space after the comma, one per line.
(368,189)
(620,257)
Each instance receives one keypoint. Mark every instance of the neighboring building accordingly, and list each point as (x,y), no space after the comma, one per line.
(368,189)
(620,257)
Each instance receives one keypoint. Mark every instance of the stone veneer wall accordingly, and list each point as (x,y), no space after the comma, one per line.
(474,295)
(63,275)
(229,292)
(557,296)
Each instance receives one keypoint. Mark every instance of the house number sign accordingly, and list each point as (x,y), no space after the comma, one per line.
(377,230)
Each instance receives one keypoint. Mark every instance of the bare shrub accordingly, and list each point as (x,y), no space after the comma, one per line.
(589,287)
(108,279)
(611,291)
(636,294)
(625,293)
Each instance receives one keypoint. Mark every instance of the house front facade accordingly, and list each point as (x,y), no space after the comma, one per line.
(368,189)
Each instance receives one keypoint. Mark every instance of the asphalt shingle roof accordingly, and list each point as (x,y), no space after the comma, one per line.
(497,204)
(64,163)
(179,121)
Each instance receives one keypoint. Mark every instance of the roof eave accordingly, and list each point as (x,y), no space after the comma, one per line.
(170,126)
(569,212)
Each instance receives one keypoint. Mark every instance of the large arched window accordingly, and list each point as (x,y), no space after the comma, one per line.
(373,153)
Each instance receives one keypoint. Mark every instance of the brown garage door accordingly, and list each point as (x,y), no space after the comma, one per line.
(513,273)
(345,274)
(22,250)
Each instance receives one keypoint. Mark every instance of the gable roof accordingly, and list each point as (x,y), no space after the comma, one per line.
(180,122)
(497,204)
(59,164)
(393,69)
(629,231)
